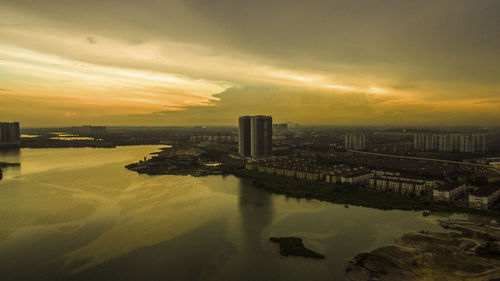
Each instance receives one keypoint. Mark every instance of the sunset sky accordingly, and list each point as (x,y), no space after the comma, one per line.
(187,62)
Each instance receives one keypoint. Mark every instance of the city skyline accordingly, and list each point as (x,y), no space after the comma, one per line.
(198,63)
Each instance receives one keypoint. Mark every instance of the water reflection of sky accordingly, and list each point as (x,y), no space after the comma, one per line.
(77,214)
(29,136)
(62,136)
(71,137)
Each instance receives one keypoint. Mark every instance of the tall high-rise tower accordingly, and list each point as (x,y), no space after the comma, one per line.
(255,136)
(244,146)
(9,132)
(10,135)
(262,136)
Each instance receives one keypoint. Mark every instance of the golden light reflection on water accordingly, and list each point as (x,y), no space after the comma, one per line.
(152,213)
(80,208)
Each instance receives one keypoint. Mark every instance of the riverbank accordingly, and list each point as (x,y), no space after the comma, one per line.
(348,194)
(212,160)
(472,252)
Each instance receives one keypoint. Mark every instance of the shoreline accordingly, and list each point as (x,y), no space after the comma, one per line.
(189,160)
(471,252)
(332,193)
(349,194)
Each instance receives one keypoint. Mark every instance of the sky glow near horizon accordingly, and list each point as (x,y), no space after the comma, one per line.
(204,63)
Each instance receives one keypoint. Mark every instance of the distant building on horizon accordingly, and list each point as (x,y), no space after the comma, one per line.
(355,141)
(468,143)
(10,134)
(280,127)
(89,129)
(255,136)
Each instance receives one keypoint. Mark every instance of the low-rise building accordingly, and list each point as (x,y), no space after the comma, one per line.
(393,182)
(484,197)
(380,184)
(448,192)
(307,169)
(431,184)
(290,172)
(335,176)
(313,175)
(357,177)
(407,187)
(331,178)
(378,173)
(270,170)
(420,189)
(252,166)
(301,174)
(261,168)
(280,171)
(393,185)
(372,183)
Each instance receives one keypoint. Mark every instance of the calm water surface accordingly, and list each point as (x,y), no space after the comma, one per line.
(77,214)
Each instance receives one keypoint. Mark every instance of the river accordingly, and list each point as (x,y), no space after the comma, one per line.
(77,214)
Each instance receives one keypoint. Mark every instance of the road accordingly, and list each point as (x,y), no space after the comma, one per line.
(427,159)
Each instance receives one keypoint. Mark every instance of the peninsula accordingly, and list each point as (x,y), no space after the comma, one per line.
(197,160)
(188,160)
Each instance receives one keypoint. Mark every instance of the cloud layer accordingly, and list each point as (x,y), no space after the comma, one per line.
(206,62)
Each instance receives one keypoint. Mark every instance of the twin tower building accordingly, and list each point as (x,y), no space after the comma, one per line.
(256,136)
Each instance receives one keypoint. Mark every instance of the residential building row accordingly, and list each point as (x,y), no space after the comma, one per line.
(468,143)
(214,138)
(306,170)
(484,197)
(477,197)
(355,141)
(280,127)
(382,181)
(394,182)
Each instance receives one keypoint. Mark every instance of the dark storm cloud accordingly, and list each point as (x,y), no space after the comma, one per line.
(419,39)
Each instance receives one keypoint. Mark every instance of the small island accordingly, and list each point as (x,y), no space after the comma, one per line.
(470,252)
(293,246)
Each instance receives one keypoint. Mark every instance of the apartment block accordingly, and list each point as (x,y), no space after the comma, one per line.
(448,192)
(484,197)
